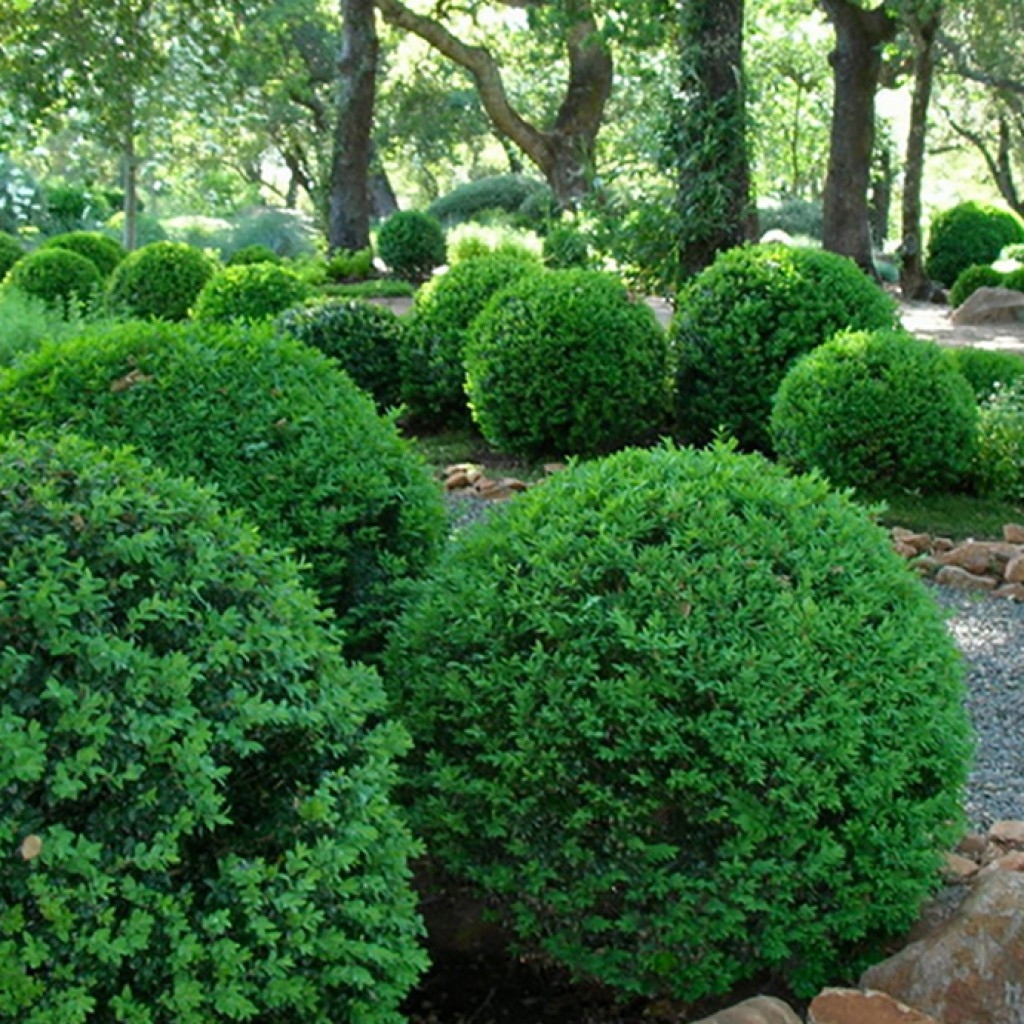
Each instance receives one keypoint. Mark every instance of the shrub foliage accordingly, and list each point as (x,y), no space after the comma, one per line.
(966,235)
(248,292)
(11,250)
(59,277)
(160,281)
(411,243)
(970,280)
(104,251)
(1000,462)
(986,371)
(497,192)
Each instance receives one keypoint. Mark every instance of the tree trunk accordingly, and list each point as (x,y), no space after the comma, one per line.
(856,63)
(914,283)
(383,201)
(130,181)
(348,205)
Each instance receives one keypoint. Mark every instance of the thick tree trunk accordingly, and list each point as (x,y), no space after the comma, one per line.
(914,283)
(130,182)
(348,204)
(856,63)
(383,201)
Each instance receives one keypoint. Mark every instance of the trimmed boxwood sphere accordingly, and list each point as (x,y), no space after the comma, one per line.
(966,235)
(742,321)
(57,276)
(101,249)
(160,281)
(970,280)
(683,719)
(249,292)
(276,426)
(411,244)
(565,362)
(877,410)
(190,770)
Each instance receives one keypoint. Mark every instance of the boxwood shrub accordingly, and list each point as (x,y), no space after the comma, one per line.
(879,411)
(249,292)
(280,430)
(11,250)
(565,362)
(104,251)
(496,192)
(412,245)
(966,235)
(255,253)
(160,281)
(565,247)
(196,812)
(59,277)
(970,280)
(742,321)
(683,719)
(986,371)
(999,467)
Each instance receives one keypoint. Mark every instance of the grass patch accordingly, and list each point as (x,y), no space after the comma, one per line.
(382,288)
(957,516)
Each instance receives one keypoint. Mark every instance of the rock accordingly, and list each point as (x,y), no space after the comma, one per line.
(959,869)
(1007,833)
(955,576)
(498,490)
(1013,533)
(970,971)
(989,305)
(973,845)
(1014,571)
(554,467)
(852,1006)
(972,555)
(1012,591)
(905,550)
(920,542)
(1010,861)
(457,480)
(940,544)
(759,1010)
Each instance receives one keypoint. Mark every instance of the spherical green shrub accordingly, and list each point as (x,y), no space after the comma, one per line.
(430,357)
(986,371)
(190,770)
(160,281)
(101,249)
(565,247)
(877,410)
(566,362)
(57,276)
(278,428)
(999,467)
(249,292)
(742,321)
(969,234)
(700,722)
(411,244)
(363,338)
(255,253)
(11,250)
(496,192)
(970,280)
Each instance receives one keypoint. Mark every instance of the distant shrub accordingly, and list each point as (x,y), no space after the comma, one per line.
(364,339)
(970,280)
(565,247)
(539,209)
(349,265)
(986,371)
(999,467)
(470,240)
(59,277)
(201,232)
(11,250)
(742,321)
(680,718)
(190,769)
(101,249)
(280,430)
(285,232)
(967,235)
(256,253)
(384,288)
(72,208)
(249,292)
(879,411)
(564,362)
(411,244)
(797,217)
(498,192)
(147,229)
(160,281)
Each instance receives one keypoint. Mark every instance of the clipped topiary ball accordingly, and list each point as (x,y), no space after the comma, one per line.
(966,235)
(57,276)
(742,321)
(102,250)
(701,723)
(11,250)
(986,371)
(160,281)
(255,253)
(280,430)
(249,292)
(565,362)
(190,770)
(999,467)
(877,410)
(363,338)
(431,356)
(565,247)
(1014,279)
(411,244)
(970,280)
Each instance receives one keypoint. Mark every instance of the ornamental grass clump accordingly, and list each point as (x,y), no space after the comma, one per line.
(683,719)
(196,819)
(279,429)
(880,411)
(741,322)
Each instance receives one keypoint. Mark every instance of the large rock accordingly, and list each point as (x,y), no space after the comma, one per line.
(970,971)
(988,306)
(760,1010)
(852,1006)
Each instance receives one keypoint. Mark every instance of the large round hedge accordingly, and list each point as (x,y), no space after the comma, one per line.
(999,466)
(431,355)
(11,250)
(160,281)
(565,362)
(363,338)
(57,276)
(683,719)
(411,243)
(742,321)
(969,234)
(189,772)
(877,410)
(970,280)
(249,292)
(93,245)
(276,426)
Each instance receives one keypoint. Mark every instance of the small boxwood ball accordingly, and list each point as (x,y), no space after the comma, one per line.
(160,281)
(104,251)
(248,292)
(196,820)
(683,719)
(412,244)
(59,277)
(879,411)
(968,234)
(970,280)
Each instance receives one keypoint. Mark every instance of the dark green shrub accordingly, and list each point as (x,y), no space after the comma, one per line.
(1014,251)
(986,371)
(1014,279)
(249,292)
(797,217)
(101,249)
(364,339)
(879,411)
(999,467)
(59,277)
(700,723)
(498,192)
(966,235)
(565,362)
(147,229)
(73,208)
(11,250)
(970,280)
(539,209)
(160,281)
(565,247)
(190,770)
(411,244)
(281,432)
(255,253)
(348,265)
(740,323)
(432,370)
